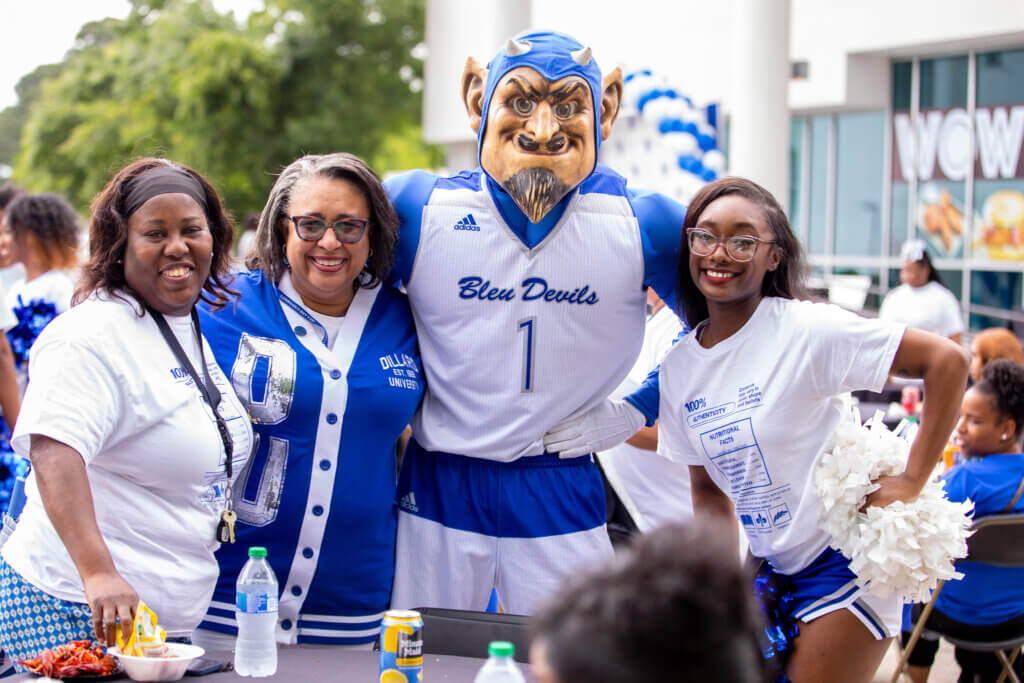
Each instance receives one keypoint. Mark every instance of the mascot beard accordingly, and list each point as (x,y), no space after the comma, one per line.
(535,191)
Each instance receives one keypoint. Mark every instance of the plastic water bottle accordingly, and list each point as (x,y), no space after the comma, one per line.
(499,667)
(256,613)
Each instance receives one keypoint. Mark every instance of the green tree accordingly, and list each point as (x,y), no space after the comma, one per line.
(179,80)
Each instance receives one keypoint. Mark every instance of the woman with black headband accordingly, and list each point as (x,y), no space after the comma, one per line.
(133,431)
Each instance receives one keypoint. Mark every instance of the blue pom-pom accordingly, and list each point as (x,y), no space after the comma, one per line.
(32,318)
(774,593)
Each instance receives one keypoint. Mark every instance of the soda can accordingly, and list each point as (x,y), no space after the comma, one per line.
(401,647)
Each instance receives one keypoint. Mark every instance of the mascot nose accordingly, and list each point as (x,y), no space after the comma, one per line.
(542,125)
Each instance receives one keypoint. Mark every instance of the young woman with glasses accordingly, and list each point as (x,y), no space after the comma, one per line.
(323,355)
(749,400)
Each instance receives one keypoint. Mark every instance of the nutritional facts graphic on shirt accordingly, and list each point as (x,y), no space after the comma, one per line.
(734,451)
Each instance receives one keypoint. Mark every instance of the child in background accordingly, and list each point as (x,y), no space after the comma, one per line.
(45,231)
(988,603)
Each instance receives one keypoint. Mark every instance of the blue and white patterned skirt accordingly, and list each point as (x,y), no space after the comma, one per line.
(32,621)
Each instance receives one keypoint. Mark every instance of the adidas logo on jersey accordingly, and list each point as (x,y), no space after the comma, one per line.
(467,222)
(408,502)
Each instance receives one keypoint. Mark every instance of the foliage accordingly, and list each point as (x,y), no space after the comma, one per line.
(236,102)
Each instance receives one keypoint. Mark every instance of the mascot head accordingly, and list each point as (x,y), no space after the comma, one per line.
(540,110)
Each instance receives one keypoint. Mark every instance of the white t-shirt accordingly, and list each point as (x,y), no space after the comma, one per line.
(757,410)
(8,278)
(654,489)
(932,308)
(105,382)
(54,286)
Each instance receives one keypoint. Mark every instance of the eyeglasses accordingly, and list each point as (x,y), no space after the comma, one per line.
(739,247)
(347,230)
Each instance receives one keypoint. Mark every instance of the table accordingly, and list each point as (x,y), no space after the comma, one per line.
(338,665)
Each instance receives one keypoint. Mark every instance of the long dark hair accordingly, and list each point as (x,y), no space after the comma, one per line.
(786,281)
(267,252)
(52,224)
(108,234)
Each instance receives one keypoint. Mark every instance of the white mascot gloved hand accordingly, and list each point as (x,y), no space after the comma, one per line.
(603,426)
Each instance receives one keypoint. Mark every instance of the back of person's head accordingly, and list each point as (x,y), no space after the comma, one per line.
(676,606)
(47,224)
(8,193)
(992,344)
(1003,381)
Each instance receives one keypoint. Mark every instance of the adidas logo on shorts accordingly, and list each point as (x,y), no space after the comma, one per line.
(408,501)
(467,222)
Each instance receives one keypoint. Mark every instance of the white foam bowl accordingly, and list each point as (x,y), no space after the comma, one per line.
(159,668)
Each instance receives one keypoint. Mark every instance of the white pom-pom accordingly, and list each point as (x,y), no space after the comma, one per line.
(903,548)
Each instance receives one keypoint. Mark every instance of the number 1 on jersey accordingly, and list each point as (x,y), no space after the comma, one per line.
(528,327)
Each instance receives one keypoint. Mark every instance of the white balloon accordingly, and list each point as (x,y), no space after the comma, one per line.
(657,109)
(692,116)
(680,143)
(706,128)
(715,160)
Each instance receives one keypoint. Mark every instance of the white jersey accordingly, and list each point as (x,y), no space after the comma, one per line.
(758,408)
(654,489)
(514,340)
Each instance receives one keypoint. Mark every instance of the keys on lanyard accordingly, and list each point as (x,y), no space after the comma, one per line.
(226,526)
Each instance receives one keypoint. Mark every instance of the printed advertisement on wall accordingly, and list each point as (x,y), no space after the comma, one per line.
(941,161)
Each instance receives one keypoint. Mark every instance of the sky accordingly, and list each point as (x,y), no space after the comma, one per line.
(41,31)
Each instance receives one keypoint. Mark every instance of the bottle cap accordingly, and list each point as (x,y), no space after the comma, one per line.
(257,551)
(501,648)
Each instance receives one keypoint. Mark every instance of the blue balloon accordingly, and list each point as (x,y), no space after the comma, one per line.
(708,175)
(667,125)
(691,164)
(691,128)
(705,141)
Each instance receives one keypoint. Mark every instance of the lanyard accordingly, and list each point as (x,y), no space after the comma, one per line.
(211,394)
(290,303)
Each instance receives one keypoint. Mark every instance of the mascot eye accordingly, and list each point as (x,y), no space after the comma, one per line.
(523,105)
(564,110)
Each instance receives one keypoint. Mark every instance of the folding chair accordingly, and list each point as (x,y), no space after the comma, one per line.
(998,540)
(464,633)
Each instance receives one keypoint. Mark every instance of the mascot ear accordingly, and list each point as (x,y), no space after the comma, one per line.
(474,75)
(611,98)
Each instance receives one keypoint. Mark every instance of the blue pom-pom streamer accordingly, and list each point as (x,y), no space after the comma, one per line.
(32,318)
(774,593)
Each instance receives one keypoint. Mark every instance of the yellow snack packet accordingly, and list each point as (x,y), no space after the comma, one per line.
(147,639)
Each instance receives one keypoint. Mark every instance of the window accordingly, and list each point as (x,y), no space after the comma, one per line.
(859,158)
(819,175)
(796,150)
(956,181)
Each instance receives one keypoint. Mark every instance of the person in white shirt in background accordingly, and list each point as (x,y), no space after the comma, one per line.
(45,237)
(653,489)
(10,272)
(922,301)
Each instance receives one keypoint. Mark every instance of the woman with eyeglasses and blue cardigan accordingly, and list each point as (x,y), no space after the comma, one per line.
(323,354)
